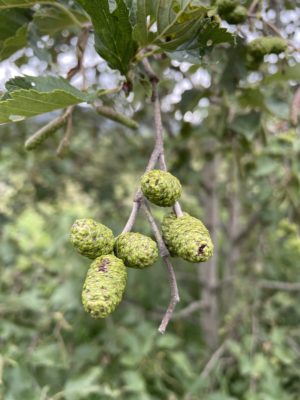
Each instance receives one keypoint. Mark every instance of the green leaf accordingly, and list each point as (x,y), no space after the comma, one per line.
(178,25)
(140,30)
(14,43)
(169,12)
(278,107)
(29,96)
(41,53)
(11,20)
(188,30)
(13,31)
(190,99)
(287,73)
(48,355)
(83,385)
(113,32)
(134,381)
(212,34)
(4,4)
(252,97)
(247,124)
(265,167)
(50,20)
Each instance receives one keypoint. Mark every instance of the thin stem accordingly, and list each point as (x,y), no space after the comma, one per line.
(279,285)
(64,143)
(104,92)
(164,252)
(295,107)
(80,49)
(177,209)
(158,125)
(174,296)
(213,361)
(137,202)
(273,27)
(253,5)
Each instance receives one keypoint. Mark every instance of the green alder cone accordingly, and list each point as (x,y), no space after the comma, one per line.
(161,188)
(237,16)
(258,48)
(91,239)
(136,250)
(226,6)
(266,45)
(187,237)
(104,286)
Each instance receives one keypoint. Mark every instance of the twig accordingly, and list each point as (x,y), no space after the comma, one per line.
(158,146)
(174,296)
(65,141)
(80,49)
(110,113)
(213,361)
(134,211)
(273,27)
(278,285)
(158,124)
(164,252)
(253,6)
(295,107)
(104,92)
(156,155)
(190,309)
(177,209)
(165,256)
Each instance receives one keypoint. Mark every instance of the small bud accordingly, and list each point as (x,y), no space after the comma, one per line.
(237,16)
(226,6)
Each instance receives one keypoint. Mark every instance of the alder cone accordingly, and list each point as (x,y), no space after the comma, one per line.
(136,250)
(258,48)
(104,286)
(266,45)
(90,238)
(237,16)
(226,6)
(161,187)
(187,237)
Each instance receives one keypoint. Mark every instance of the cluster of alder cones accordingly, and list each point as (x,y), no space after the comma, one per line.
(185,237)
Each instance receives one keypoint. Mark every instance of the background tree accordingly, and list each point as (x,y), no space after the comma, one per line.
(230,118)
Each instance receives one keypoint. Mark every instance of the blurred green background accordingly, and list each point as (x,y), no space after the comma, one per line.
(52,349)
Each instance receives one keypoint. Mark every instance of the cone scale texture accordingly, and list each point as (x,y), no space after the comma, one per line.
(91,239)
(136,250)
(187,237)
(104,286)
